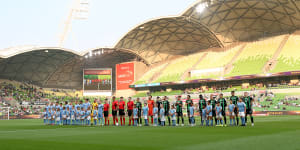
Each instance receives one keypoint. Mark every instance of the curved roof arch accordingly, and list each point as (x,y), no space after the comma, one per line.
(12,51)
(161,38)
(43,65)
(109,50)
(242,20)
(34,65)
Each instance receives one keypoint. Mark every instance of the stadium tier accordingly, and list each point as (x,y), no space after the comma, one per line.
(254,56)
(146,78)
(249,58)
(215,60)
(175,70)
(289,58)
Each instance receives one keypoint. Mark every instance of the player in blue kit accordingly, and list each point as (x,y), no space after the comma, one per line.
(73,114)
(67,105)
(95,115)
(81,105)
(145,114)
(76,105)
(173,115)
(48,116)
(87,104)
(135,115)
(63,115)
(88,116)
(155,114)
(45,116)
(48,107)
(77,116)
(82,116)
(191,112)
(53,116)
(162,115)
(209,113)
(57,117)
(61,112)
(68,120)
(242,110)
(232,114)
(219,115)
(100,113)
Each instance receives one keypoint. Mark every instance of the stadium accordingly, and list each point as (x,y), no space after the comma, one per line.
(249,48)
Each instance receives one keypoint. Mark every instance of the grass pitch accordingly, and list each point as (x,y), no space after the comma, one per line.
(269,133)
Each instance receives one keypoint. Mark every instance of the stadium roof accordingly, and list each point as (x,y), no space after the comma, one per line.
(238,20)
(12,51)
(168,36)
(54,67)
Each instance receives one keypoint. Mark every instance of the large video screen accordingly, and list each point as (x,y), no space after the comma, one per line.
(97,81)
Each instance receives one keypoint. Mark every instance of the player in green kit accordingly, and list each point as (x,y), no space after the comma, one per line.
(139,107)
(223,104)
(179,110)
(248,101)
(166,105)
(188,104)
(201,103)
(234,100)
(213,103)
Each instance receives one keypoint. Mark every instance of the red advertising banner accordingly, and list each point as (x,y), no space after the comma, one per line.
(124,75)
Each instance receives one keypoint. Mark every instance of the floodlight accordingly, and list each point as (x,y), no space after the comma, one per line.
(201,7)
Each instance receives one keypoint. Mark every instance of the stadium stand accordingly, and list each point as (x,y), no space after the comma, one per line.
(244,59)
(288,59)
(216,60)
(254,56)
(146,78)
(175,70)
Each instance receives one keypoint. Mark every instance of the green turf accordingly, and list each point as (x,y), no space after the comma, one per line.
(276,132)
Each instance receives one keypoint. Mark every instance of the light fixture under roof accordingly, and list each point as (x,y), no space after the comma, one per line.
(201,7)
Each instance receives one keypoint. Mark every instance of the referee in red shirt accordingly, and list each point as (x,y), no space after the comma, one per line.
(130,110)
(115,110)
(121,111)
(106,112)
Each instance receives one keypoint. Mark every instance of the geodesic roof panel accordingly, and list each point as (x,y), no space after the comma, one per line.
(35,66)
(173,36)
(238,20)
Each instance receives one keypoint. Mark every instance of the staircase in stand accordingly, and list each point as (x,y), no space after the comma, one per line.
(229,66)
(273,61)
(186,73)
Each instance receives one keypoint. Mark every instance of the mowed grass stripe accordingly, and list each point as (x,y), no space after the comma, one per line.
(21,134)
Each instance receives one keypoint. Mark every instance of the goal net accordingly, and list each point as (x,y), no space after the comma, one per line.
(4,113)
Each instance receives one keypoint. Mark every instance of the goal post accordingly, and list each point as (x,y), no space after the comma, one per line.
(4,113)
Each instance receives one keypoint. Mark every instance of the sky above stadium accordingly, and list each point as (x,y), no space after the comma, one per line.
(41,22)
